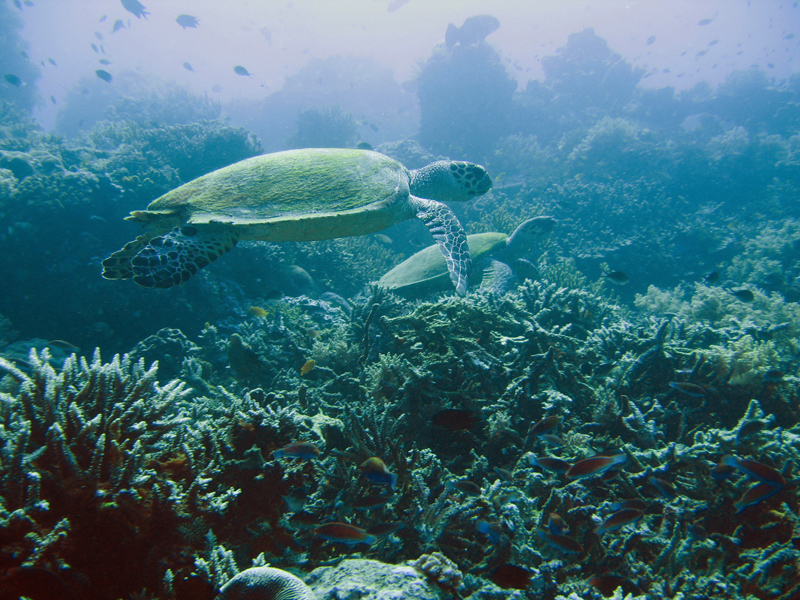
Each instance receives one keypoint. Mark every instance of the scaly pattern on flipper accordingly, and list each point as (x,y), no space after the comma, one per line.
(172,258)
(118,265)
(451,238)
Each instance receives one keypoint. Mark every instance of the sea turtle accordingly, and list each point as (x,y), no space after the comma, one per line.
(292,196)
(425,272)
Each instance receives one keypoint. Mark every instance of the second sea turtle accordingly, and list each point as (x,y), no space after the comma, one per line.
(426,272)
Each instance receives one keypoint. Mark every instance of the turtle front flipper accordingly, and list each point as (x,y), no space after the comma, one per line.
(450,237)
(172,258)
(118,265)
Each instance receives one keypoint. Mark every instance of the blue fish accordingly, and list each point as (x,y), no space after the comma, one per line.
(375,470)
(491,529)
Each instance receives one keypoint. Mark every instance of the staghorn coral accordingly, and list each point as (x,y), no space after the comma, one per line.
(78,455)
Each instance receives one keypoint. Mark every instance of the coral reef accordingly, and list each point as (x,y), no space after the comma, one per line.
(571,438)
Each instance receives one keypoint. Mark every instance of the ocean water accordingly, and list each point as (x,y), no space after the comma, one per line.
(608,406)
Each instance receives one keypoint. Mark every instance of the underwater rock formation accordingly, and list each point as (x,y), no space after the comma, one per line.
(465,84)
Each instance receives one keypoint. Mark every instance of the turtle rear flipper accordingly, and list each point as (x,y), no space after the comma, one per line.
(497,277)
(172,258)
(450,237)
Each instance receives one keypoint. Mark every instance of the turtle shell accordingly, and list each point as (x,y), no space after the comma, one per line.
(296,195)
(426,271)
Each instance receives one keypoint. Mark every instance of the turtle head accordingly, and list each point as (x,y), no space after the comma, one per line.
(530,233)
(447,180)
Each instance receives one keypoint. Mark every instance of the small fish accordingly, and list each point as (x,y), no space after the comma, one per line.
(704,22)
(508,576)
(303,520)
(743,295)
(552,440)
(756,494)
(104,75)
(690,389)
(550,463)
(504,474)
(712,277)
(52,62)
(617,277)
(504,498)
(307,367)
(596,465)
(376,471)
(664,487)
(53,99)
(632,503)
(563,543)
(65,346)
(187,21)
(491,529)
(188,67)
(296,499)
(95,48)
(118,24)
(722,472)
(557,525)
(344,533)
(618,520)
(382,530)
(546,425)
(13,80)
(383,239)
(455,419)
(468,487)
(371,502)
(216,88)
(650,41)
(755,470)
(257,311)
(240,70)
(104,61)
(364,146)
(98,35)
(473,31)
(135,8)
(304,450)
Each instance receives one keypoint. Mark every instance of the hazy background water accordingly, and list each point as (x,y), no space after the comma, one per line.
(273,40)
